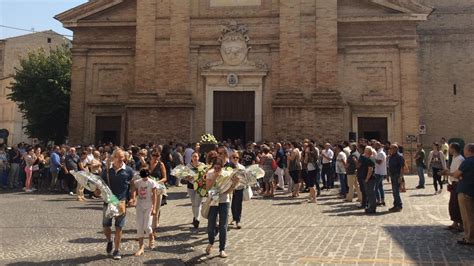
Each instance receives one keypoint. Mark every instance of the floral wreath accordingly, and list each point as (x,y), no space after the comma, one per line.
(208,139)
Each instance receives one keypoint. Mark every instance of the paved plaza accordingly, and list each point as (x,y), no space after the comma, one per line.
(57,229)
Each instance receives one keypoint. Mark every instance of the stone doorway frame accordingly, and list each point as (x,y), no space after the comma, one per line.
(257,89)
(98,111)
(388,116)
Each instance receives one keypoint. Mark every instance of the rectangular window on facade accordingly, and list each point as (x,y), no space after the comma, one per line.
(49,40)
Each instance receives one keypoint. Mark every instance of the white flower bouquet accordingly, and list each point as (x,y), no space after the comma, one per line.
(92,182)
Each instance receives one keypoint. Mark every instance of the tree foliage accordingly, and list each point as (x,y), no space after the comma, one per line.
(41,90)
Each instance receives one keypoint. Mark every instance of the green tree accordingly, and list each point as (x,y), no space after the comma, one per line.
(41,90)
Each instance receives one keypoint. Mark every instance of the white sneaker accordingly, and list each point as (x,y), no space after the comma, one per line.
(222,254)
(70,193)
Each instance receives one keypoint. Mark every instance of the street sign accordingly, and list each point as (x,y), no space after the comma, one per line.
(411,138)
(422,129)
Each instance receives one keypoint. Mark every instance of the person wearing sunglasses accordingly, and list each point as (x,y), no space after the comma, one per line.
(158,173)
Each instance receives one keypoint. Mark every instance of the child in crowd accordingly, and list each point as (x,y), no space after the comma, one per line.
(145,188)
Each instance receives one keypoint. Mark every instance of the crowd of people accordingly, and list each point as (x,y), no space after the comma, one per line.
(359,168)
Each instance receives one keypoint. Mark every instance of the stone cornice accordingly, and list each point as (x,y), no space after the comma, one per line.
(98,23)
(87,9)
(387,17)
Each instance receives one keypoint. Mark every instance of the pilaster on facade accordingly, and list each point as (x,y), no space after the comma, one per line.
(145,47)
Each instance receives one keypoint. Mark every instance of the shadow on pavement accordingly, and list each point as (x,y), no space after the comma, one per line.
(176,195)
(166,262)
(99,208)
(289,203)
(87,240)
(421,195)
(62,199)
(428,244)
(277,197)
(343,209)
(73,261)
(333,203)
(360,213)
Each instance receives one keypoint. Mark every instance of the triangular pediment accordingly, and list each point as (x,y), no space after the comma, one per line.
(125,11)
(379,8)
(99,10)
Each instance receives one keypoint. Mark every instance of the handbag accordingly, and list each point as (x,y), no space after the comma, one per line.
(248,193)
(274,165)
(205,208)
(35,167)
(122,208)
(452,187)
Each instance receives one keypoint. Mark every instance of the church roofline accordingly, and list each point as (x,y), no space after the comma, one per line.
(404,6)
(70,17)
(410,10)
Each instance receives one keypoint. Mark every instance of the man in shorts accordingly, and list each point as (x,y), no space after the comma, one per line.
(117,176)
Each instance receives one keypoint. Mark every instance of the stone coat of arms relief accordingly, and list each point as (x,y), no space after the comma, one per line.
(234,48)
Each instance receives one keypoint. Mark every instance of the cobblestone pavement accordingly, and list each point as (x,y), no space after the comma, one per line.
(56,229)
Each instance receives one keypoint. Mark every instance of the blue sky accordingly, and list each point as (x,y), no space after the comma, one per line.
(33,14)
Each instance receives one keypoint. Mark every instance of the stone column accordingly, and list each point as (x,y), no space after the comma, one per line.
(326,44)
(145,47)
(77,108)
(179,45)
(290,38)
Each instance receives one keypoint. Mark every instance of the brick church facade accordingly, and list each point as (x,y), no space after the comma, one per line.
(161,70)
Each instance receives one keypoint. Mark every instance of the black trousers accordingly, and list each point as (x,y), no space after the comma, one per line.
(454,211)
(236,206)
(437,179)
(370,192)
(70,182)
(326,175)
(363,190)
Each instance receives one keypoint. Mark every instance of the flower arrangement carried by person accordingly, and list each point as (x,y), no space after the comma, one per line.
(231,178)
(197,178)
(207,143)
(92,182)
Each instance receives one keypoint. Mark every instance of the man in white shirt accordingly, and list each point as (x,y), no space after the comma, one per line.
(90,155)
(341,163)
(326,173)
(454,211)
(380,173)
